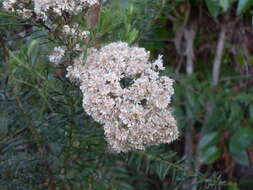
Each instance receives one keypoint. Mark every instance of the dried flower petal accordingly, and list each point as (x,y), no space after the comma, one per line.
(123,91)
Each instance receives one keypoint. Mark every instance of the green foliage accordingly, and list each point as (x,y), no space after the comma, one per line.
(44,117)
(232,186)
(208,149)
(122,28)
(222,131)
(217,6)
(243,6)
(239,143)
(47,141)
(213,7)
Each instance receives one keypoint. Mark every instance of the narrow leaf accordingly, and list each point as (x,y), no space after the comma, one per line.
(213,7)
(243,5)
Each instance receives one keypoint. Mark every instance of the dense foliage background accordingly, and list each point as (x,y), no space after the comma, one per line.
(48,142)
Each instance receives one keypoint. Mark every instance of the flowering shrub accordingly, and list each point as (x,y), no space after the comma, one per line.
(49,129)
(56,17)
(121,88)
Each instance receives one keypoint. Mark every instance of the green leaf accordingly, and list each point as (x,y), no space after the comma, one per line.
(225,4)
(210,155)
(240,59)
(233,186)
(243,5)
(213,7)
(133,35)
(239,143)
(236,113)
(243,138)
(240,155)
(208,140)
(162,170)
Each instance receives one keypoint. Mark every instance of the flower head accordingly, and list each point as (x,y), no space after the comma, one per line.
(123,91)
(43,8)
(57,55)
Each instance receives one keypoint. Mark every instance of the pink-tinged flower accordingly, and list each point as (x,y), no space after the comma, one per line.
(123,91)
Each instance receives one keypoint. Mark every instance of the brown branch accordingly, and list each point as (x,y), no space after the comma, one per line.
(190,34)
(218,55)
(92,19)
(5,52)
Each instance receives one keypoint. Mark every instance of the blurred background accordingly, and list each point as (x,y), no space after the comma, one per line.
(48,142)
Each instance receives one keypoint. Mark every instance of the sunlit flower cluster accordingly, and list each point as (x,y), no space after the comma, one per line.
(56,55)
(123,90)
(43,8)
(75,33)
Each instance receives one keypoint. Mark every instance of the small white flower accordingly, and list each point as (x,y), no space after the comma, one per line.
(57,55)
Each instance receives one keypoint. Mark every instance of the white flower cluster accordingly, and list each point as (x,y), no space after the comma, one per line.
(9,5)
(123,91)
(18,6)
(57,55)
(42,8)
(71,34)
(75,33)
